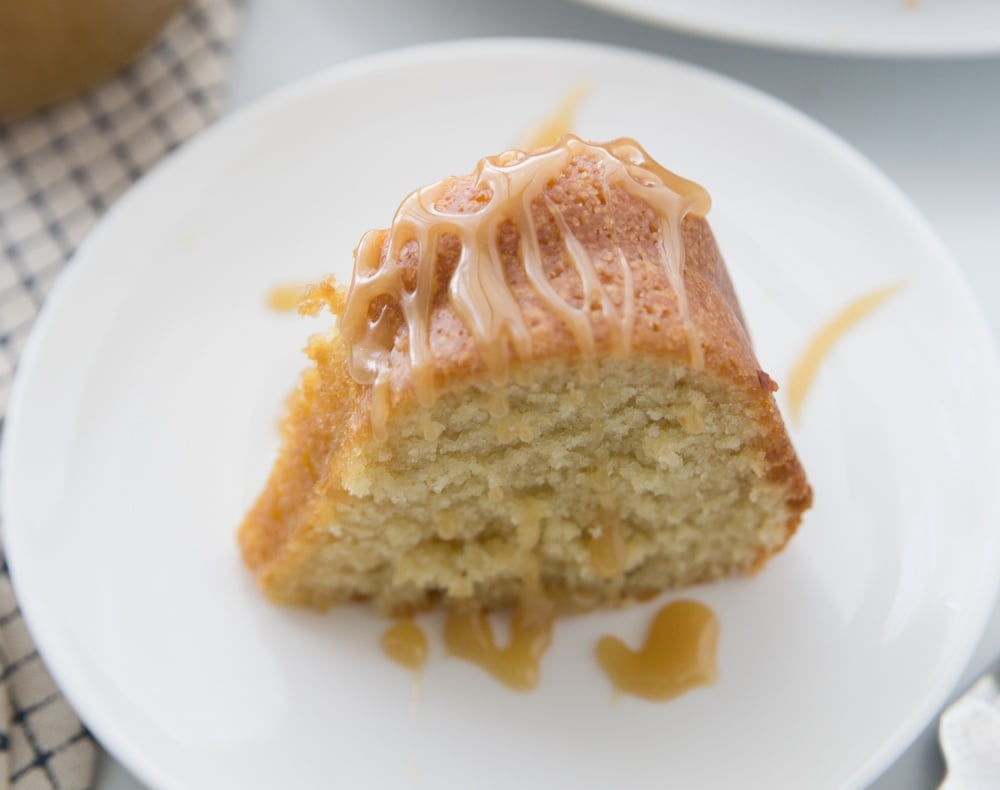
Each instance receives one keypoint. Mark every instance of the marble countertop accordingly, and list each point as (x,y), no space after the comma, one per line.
(932,126)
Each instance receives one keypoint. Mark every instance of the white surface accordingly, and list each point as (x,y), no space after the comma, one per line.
(851,27)
(125,481)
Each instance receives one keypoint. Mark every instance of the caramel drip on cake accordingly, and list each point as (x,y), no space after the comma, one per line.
(406,644)
(469,635)
(506,186)
(608,549)
(679,654)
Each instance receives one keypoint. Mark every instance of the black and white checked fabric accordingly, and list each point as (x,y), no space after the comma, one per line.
(60,170)
(42,744)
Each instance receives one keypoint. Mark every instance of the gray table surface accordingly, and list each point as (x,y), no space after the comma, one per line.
(932,126)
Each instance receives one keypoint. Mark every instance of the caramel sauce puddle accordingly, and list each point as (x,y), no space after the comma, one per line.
(679,654)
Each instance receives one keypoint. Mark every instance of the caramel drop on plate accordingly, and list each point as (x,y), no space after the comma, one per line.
(807,365)
(285,298)
(406,644)
(469,635)
(679,654)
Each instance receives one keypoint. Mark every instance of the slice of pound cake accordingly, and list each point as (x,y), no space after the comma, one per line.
(539,380)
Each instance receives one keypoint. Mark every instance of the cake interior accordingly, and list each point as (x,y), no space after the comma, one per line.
(595,484)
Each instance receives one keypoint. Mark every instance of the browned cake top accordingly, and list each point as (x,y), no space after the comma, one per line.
(572,250)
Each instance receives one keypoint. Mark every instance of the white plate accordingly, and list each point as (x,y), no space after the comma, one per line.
(143,424)
(927,28)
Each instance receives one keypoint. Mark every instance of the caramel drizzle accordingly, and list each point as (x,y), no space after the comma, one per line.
(469,635)
(806,367)
(678,655)
(560,122)
(478,290)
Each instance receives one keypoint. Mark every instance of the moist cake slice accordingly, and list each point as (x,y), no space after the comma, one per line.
(539,380)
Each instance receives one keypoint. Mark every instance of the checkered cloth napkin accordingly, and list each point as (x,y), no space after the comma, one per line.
(60,170)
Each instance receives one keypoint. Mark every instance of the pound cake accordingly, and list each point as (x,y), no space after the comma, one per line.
(539,380)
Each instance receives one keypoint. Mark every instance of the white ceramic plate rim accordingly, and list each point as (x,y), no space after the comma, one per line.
(53,645)
(703,19)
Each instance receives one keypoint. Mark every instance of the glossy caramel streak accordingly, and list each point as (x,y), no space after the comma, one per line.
(469,635)
(559,122)
(816,351)
(505,188)
(406,644)
(679,654)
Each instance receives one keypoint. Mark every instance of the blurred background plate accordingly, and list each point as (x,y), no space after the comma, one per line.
(907,28)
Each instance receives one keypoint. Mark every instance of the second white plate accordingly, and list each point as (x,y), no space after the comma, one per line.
(901,28)
(143,424)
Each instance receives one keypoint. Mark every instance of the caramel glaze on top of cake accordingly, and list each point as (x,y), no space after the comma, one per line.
(406,275)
